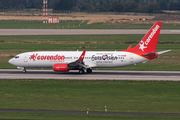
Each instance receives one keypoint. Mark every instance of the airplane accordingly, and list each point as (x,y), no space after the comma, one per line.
(64,61)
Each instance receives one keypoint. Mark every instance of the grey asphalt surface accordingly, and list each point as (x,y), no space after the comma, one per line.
(95,75)
(79,31)
(90,112)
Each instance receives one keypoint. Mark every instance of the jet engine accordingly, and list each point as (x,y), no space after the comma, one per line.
(59,67)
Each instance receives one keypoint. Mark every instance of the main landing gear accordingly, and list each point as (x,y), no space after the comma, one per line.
(89,70)
(81,71)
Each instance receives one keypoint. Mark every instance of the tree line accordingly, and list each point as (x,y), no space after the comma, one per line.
(150,6)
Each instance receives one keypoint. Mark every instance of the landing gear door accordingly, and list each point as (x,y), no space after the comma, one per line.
(25,58)
(131,58)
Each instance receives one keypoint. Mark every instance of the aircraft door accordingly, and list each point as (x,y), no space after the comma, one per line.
(25,58)
(131,58)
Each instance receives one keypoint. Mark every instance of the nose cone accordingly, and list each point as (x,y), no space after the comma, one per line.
(11,61)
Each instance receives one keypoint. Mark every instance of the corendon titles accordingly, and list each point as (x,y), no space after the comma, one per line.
(144,44)
(152,34)
(47,57)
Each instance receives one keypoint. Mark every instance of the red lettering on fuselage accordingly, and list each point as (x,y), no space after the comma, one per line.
(35,57)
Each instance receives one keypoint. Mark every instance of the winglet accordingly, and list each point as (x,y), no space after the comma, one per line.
(81,58)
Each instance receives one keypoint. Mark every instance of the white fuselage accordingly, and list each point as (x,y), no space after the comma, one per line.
(92,59)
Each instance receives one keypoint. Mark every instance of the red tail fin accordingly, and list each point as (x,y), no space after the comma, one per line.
(149,42)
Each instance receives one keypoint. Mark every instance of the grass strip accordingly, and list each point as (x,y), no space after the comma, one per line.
(78,95)
(13,24)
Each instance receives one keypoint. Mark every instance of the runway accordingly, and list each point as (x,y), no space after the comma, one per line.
(79,31)
(95,75)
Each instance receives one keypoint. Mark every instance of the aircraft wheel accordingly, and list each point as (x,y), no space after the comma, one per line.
(24,71)
(89,70)
(81,71)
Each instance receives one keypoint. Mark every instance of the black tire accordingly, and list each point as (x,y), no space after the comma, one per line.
(81,71)
(24,71)
(89,70)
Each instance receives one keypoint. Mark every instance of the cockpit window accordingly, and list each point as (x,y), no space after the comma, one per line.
(16,57)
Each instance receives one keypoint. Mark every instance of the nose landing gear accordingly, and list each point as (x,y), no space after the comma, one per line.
(24,70)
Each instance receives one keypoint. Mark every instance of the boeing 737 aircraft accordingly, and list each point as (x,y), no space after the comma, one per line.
(63,61)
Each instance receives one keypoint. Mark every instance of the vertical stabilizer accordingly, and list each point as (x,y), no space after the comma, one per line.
(149,42)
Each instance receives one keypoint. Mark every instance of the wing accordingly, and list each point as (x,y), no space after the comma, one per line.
(78,64)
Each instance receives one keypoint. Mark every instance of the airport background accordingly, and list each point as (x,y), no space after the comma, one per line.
(148,6)
(125,96)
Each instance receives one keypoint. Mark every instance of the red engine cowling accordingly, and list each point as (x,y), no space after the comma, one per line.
(60,67)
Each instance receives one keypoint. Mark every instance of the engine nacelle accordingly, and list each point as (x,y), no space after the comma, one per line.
(59,67)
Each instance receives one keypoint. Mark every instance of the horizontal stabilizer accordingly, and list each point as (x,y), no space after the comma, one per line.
(149,54)
(161,52)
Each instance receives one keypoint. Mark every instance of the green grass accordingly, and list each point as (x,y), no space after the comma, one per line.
(4,24)
(79,38)
(78,95)
(128,39)
(148,67)
(39,25)
(129,25)
(80,117)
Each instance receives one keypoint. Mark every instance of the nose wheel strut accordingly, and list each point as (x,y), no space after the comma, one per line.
(24,70)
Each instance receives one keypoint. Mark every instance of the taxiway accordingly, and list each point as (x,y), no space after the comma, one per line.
(95,75)
(79,31)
